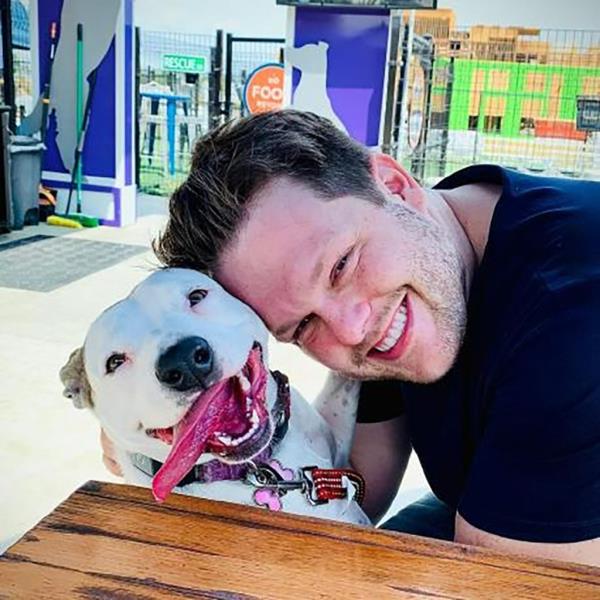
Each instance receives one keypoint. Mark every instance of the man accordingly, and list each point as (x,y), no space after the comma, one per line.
(477,302)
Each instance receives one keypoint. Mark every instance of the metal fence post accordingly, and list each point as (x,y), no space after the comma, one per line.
(214,103)
(5,183)
(404,77)
(392,84)
(7,61)
(446,122)
(228,76)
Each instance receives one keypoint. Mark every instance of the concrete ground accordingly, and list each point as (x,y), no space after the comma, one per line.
(49,448)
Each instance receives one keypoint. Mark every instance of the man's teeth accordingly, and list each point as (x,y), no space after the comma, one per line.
(229,441)
(395,331)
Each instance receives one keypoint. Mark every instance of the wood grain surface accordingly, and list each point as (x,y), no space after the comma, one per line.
(114,541)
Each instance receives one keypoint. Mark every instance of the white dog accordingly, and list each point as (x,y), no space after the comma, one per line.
(176,373)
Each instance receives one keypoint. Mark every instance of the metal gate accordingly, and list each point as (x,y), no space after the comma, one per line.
(178,76)
(177,100)
(243,56)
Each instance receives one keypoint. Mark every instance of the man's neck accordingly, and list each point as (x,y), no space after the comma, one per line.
(466,213)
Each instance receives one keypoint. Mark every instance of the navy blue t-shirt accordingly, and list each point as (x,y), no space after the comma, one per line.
(510,436)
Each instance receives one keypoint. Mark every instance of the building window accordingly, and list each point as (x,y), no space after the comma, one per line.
(473,122)
(492,124)
(527,126)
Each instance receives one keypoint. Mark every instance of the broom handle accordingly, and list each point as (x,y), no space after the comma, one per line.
(81,136)
(47,88)
(79,110)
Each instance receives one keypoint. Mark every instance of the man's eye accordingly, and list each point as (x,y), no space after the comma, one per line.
(114,362)
(339,267)
(196,296)
(301,327)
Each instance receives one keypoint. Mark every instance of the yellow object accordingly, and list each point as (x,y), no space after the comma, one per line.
(62,222)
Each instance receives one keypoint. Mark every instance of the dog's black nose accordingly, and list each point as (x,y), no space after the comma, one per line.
(186,365)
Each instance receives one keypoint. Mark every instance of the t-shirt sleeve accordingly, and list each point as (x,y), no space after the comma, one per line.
(536,472)
(379,401)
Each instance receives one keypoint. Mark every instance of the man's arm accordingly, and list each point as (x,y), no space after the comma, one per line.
(108,455)
(380,453)
(586,552)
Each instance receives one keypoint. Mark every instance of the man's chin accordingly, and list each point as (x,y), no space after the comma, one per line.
(430,371)
(427,371)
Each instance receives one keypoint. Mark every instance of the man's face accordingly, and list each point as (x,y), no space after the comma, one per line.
(370,291)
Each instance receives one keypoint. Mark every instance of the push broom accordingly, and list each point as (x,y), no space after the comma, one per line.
(83,118)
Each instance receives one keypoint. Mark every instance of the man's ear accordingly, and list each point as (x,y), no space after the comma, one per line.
(74,378)
(397,180)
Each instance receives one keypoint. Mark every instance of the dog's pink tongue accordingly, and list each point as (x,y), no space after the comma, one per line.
(189,440)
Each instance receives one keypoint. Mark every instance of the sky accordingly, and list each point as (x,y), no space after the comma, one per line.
(263,18)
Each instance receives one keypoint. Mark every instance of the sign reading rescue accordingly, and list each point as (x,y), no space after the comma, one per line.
(264,89)
(183,63)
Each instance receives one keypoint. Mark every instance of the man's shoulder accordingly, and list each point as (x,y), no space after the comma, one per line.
(546,227)
(515,181)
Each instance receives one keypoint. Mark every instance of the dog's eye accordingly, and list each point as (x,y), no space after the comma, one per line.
(196,296)
(114,362)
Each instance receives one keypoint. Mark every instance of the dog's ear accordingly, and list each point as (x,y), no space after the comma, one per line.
(74,378)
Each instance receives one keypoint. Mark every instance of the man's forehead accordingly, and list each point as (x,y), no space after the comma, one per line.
(282,195)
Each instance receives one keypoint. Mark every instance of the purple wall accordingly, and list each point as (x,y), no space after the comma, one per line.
(99,149)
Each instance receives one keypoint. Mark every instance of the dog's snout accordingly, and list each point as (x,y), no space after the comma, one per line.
(186,365)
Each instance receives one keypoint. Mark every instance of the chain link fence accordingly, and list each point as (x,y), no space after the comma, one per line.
(176,104)
(528,99)
(21,55)
(174,74)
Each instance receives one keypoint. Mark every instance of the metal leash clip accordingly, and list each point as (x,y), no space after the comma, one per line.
(266,477)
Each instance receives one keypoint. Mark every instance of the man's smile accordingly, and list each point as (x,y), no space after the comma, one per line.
(395,338)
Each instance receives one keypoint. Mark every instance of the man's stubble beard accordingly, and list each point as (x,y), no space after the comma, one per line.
(437,277)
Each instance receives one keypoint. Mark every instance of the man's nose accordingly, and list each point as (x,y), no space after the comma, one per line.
(347,320)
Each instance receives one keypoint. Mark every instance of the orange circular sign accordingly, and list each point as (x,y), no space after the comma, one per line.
(264,89)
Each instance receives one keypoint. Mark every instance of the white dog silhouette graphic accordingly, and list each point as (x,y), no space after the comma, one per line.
(311,93)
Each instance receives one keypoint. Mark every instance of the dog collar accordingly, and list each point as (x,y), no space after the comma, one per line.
(216,470)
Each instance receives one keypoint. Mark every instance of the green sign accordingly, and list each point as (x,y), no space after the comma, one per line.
(183,63)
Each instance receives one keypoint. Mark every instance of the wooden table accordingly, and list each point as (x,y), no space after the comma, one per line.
(114,541)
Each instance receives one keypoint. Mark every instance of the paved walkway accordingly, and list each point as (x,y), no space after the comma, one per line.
(49,448)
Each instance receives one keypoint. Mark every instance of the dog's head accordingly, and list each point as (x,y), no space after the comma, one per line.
(310,57)
(176,371)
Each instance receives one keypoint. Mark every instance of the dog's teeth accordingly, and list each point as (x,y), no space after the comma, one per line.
(232,442)
(244,382)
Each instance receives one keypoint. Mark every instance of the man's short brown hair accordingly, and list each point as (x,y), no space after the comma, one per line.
(233,162)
